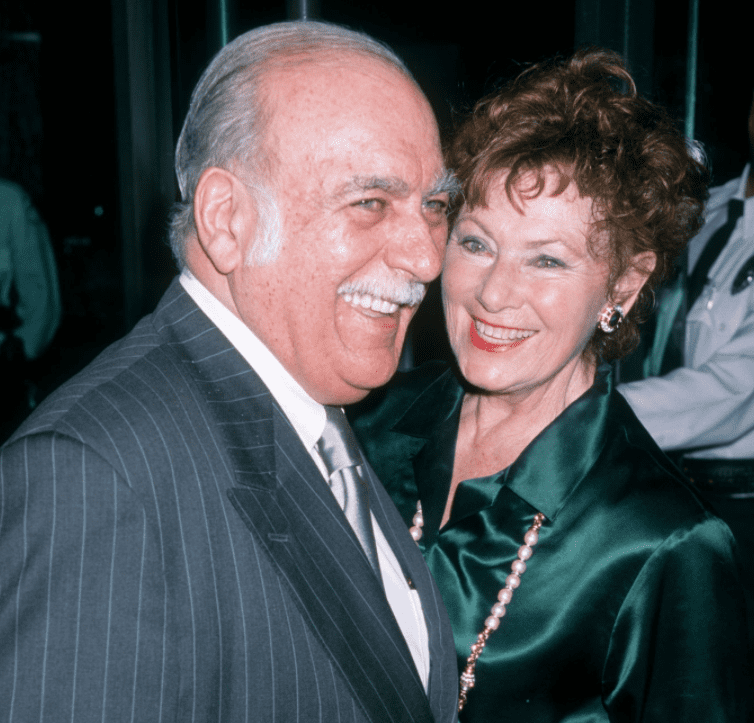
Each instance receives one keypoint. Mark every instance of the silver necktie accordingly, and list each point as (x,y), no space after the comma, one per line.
(340,452)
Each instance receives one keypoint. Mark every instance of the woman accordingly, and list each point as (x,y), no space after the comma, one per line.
(625,602)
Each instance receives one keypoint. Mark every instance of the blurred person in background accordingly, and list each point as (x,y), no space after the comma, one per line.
(698,398)
(29,301)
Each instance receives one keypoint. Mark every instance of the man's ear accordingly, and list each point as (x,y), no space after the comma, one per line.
(225,218)
(630,284)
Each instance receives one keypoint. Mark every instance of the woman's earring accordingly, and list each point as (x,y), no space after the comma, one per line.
(610,318)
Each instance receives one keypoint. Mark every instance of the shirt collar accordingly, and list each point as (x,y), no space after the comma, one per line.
(741,191)
(305,414)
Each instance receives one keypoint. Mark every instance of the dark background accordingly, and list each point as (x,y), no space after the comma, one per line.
(92,96)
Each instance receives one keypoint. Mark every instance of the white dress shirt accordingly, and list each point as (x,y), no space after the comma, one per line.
(707,406)
(308,419)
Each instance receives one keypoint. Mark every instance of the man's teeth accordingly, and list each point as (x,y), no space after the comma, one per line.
(373,303)
(495,332)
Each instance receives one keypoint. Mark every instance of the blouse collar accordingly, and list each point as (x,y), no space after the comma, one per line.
(544,474)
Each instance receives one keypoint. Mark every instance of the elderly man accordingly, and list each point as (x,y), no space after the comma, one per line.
(170,547)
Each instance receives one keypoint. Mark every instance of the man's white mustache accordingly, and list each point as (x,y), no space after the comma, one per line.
(399,291)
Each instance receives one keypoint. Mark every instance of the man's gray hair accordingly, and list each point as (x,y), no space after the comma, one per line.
(227,118)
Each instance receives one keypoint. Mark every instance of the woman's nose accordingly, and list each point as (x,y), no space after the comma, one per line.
(501,288)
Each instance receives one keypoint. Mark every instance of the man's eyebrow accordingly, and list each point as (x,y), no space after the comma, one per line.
(447,183)
(359,184)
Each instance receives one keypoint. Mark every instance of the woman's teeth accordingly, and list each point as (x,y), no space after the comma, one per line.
(372,303)
(500,334)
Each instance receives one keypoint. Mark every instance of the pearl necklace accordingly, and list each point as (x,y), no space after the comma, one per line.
(504,596)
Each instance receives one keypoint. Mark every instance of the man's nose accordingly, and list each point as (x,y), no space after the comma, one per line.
(418,248)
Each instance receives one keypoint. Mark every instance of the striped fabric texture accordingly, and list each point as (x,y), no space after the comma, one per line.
(169,552)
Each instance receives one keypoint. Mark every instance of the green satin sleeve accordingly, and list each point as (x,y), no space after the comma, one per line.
(677,649)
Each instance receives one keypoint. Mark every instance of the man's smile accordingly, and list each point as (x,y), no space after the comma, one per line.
(380,296)
(368,302)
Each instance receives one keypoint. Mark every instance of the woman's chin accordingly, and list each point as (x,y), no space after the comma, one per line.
(483,377)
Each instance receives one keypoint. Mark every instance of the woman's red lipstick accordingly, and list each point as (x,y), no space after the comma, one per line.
(480,343)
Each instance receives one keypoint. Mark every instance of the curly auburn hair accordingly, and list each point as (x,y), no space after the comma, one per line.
(582,117)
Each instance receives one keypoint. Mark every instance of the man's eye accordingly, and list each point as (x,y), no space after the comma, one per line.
(437,205)
(370,204)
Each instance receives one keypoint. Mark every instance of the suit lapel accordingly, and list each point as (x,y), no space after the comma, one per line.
(286,504)
(299,523)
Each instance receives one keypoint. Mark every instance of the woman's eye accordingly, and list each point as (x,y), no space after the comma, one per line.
(472,245)
(547,262)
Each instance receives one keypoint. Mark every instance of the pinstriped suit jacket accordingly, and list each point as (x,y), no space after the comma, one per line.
(170,552)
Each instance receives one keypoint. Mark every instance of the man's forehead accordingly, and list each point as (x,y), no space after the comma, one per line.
(324,74)
(354,126)
(338,92)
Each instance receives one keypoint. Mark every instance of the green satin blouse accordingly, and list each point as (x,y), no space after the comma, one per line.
(631,608)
